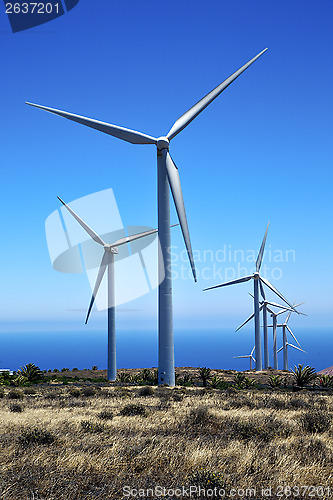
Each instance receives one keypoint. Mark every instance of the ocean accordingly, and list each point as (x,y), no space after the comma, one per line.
(214,348)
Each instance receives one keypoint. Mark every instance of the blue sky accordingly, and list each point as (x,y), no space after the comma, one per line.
(261,151)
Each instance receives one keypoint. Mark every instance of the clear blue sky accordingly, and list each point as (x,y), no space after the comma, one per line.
(262,151)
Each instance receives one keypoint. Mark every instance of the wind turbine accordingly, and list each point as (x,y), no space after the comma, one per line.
(285,345)
(264,307)
(257,281)
(168,175)
(107,263)
(248,356)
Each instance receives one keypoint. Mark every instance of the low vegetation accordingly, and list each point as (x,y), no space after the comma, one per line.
(88,440)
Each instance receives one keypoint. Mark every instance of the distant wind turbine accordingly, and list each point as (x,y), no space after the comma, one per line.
(257,281)
(168,176)
(285,345)
(250,356)
(264,307)
(107,263)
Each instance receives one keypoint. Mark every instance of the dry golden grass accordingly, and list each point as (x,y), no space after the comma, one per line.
(62,446)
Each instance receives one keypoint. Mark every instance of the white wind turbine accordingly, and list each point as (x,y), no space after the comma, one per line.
(264,307)
(107,263)
(257,281)
(168,176)
(286,344)
(250,356)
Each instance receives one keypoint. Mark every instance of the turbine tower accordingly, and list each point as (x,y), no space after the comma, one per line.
(250,356)
(257,281)
(168,176)
(107,263)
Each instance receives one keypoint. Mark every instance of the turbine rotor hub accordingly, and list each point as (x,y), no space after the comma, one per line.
(256,276)
(163,143)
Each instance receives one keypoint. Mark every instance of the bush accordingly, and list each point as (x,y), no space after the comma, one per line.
(90,426)
(303,374)
(16,408)
(35,435)
(75,370)
(105,415)
(316,421)
(75,392)
(207,480)
(15,394)
(2,393)
(88,391)
(65,369)
(134,409)
(29,391)
(56,370)
(146,391)
(124,377)
(94,367)
(218,383)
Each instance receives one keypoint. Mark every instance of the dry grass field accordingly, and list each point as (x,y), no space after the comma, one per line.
(90,440)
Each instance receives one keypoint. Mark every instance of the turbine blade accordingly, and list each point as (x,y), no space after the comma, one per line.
(278,305)
(288,317)
(253,350)
(262,291)
(254,359)
(280,349)
(295,347)
(125,134)
(187,117)
(246,321)
(241,357)
(284,310)
(293,336)
(101,271)
(261,251)
(174,181)
(269,285)
(85,226)
(233,282)
(128,239)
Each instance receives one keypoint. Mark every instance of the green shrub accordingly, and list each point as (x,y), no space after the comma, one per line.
(15,394)
(65,369)
(303,375)
(185,381)
(105,415)
(90,426)
(75,369)
(134,409)
(316,421)
(35,435)
(146,391)
(94,367)
(56,370)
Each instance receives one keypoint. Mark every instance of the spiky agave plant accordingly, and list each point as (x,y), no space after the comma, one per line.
(326,381)
(30,373)
(303,374)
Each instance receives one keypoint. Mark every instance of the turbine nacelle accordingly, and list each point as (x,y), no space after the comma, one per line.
(162,143)
(256,276)
(111,249)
